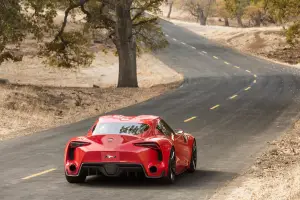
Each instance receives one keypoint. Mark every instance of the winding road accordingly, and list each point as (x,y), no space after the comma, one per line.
(232,103)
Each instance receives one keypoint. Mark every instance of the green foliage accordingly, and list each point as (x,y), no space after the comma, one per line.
(236,7)
(72,51)
(149,36)
(70,48)
(146,30)
(293,34)
(20,18)
(12,25)
(220,9)
(254,12)
(286,11)
(199,7)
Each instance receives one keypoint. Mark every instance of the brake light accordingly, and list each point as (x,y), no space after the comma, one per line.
(75,144)
(152,145)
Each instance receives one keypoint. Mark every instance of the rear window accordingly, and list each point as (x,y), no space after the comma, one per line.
(120,128)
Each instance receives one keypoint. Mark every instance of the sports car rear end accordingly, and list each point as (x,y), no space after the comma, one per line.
(113,155)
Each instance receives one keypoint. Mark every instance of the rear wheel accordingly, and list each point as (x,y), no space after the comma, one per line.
(170,178)
(193,161)
(76,179)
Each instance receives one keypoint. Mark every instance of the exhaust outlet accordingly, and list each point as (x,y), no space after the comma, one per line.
(72,168)
(153,169)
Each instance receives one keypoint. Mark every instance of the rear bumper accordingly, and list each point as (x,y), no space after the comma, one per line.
(115,169)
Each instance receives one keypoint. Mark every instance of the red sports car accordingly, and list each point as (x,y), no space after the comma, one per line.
(117,145)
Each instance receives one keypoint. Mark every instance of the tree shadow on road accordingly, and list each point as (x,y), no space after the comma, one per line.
(200,178)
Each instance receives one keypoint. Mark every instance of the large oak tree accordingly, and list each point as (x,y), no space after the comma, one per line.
(122,22)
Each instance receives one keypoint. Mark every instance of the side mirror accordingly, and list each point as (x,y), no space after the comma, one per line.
(179,131)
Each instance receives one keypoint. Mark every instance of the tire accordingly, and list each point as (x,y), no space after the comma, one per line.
(76,179)
(171,177)
(193,161)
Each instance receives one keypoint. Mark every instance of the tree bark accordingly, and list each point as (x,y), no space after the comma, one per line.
(126,45)
(239,21)
(170,3)
(257,19)
(226,21)
(202,17)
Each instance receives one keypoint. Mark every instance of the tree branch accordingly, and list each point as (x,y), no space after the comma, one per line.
(64,24)
(88,15)
(142,22)
(143,9)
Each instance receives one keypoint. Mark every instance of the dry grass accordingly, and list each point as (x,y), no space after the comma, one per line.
(274,176)
(25,109)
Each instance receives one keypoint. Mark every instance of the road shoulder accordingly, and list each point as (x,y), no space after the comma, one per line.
(274,175)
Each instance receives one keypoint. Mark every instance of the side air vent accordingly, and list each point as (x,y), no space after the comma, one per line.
(71,152)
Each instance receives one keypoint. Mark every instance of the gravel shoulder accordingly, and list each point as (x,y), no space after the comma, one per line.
(275,175)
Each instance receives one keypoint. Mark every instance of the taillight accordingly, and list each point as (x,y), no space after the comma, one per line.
(152,145)
(75,144)
(72,147)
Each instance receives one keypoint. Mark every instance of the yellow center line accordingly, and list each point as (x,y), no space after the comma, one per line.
(193,47)
(254,81)
(227,63)
(234,96)
(248,88)
(216,106)
(204,52)
(248,71)
(237,67)
(190,119)
(38,174)
(215,57)
(255,75)
(183,43)
(174,39)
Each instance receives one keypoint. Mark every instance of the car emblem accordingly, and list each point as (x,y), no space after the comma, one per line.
(110,139)
(109,156)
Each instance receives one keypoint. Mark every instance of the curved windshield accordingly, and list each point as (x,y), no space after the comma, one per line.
(121,128)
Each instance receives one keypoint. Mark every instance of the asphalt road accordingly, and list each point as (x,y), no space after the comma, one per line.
(237,102)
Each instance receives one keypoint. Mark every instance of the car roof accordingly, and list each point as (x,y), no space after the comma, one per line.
(146,119)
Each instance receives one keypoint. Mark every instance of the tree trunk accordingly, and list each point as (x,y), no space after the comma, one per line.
(170,9)
(239,21)
(126,45)
(226,21)
(257,19)
(202,17)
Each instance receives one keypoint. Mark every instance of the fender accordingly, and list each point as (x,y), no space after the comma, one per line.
(191,140)
(80,138)
(165,145)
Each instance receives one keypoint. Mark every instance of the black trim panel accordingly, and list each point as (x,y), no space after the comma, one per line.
(111,169)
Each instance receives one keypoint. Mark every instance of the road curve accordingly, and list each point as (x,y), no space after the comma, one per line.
(232,103)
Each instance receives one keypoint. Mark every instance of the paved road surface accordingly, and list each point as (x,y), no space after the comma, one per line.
(239,102)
